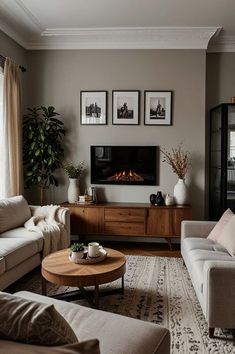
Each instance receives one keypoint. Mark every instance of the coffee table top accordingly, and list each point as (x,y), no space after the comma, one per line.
(58,269)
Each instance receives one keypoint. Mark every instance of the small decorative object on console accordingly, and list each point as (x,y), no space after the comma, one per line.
(169,200)
(74,172)
(159,199)
(152,199)
(178,159)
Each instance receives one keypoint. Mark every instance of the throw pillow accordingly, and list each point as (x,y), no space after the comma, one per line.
(216,231)
(227,237)
(33,322)
(86,347)
(14,212)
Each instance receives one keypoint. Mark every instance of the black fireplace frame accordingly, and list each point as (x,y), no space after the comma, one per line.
(146,167)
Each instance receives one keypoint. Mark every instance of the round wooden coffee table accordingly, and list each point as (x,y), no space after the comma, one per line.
(58,269)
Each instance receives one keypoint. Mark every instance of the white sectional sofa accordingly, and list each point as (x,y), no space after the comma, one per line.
(20,249)
(212,272)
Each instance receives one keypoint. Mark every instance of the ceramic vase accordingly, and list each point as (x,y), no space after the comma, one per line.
(159,199)
(73,190)
(169,200)
(152,199)
(181,192)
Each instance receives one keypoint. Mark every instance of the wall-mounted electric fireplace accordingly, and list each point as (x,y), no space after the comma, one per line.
(123,165)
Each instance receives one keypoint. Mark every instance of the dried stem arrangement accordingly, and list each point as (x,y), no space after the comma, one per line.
(178,159)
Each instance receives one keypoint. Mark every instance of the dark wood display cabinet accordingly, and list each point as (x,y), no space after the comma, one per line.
(128,219)
(222,160)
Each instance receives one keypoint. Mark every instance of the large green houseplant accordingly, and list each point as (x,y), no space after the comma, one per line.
(42,148)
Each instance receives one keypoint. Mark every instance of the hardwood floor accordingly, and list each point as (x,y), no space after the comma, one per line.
(144,249)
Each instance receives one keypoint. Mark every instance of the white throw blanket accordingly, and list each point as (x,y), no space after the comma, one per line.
(44,222)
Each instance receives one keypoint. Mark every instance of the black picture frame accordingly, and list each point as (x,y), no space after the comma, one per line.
(125,107)
(93,107)
(158,107)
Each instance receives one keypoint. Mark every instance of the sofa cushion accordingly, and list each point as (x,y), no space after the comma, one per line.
(198,243)
(205,255)
(2,265)
(117,334)
(33,322)
(14,212)
(87,347)
(227,237)
(23,233)
(16,251)
(216,231)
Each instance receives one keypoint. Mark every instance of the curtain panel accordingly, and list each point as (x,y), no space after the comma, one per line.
(11,169)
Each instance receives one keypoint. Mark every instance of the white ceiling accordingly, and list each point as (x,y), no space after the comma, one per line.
(71,24)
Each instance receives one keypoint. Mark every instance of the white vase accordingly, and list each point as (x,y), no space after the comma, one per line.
(181,192)
(73,190)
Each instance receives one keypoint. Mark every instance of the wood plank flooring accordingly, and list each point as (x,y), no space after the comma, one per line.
(144,249)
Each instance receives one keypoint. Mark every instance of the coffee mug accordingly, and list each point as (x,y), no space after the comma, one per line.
(93,249)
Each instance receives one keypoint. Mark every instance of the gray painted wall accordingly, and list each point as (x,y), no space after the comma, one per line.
(220,78)
(8,47)
(56,78)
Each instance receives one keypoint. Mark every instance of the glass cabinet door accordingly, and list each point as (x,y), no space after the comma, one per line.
(215,200)
(230,187)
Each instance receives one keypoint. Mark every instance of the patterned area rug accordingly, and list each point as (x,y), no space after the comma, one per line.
(157,290)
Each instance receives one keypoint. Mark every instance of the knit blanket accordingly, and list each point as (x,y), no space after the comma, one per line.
(44,222)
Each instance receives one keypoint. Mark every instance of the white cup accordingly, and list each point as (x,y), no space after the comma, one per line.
(93,249)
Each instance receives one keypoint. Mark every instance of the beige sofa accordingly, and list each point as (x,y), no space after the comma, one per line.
(116,334)
(20,249)
(212,272)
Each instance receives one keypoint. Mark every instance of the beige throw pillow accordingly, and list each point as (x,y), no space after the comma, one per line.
(87,347)
(32,322)
(14,212)
(227,237)
(216,231)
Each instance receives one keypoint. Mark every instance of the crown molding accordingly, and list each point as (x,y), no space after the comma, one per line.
(224,43)
(124,38)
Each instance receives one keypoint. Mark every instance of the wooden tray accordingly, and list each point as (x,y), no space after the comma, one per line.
(89,260)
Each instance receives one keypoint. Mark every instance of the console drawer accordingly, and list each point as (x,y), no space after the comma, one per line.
(124,214)
(125,228)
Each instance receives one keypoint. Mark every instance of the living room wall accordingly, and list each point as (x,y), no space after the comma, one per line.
(11,49)
(56,78)
(220,78)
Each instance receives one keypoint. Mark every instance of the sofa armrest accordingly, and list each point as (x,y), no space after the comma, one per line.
(192,228)
(62,216)
(218,291)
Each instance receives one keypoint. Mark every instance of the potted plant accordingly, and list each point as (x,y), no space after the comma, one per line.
(77,251)
(74,172)
(42,150)
(179,161)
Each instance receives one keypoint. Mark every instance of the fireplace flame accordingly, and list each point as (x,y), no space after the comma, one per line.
(125,176)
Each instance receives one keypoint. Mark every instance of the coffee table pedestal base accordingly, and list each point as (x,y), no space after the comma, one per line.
(91,295)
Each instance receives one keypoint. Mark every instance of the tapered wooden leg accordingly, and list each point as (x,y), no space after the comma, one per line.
(211,332)
(168,240)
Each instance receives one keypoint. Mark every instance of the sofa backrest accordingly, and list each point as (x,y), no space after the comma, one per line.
(14,212)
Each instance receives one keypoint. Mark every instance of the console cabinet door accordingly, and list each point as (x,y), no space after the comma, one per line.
(180,214)
(87,220)
(159,222)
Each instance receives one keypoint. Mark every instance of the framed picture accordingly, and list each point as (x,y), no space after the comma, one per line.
(93,107)
(126,107)
(157,107)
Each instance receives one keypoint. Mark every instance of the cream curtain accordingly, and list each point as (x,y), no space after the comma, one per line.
(11,169)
